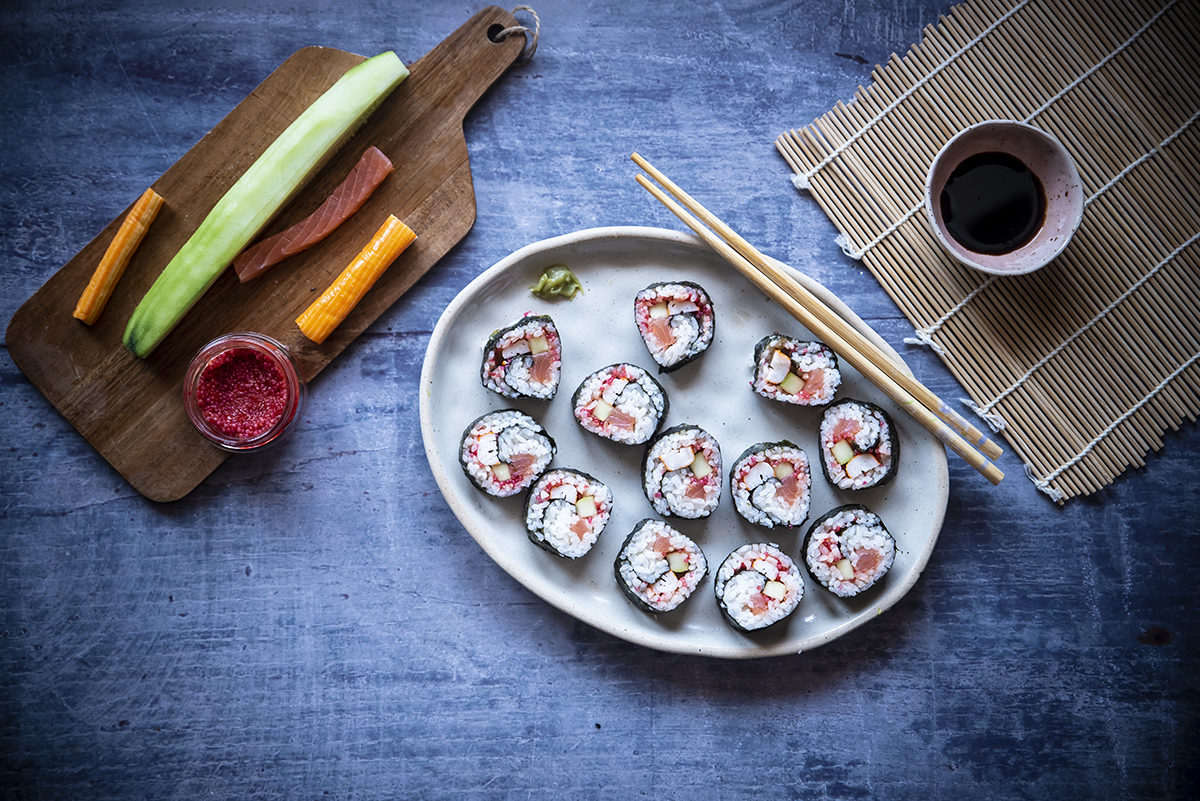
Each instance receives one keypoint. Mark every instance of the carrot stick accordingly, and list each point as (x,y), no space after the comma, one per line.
(328,311)
(116,258)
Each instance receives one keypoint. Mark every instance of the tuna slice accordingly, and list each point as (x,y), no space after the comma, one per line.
(349,196)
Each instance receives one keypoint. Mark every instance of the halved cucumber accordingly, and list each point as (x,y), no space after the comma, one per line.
(270,182)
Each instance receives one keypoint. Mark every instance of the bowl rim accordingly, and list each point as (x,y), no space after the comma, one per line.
(1073,206)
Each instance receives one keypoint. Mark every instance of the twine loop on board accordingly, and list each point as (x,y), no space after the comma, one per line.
(531,35)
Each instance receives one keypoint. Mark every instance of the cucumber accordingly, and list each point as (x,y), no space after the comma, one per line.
(270,182)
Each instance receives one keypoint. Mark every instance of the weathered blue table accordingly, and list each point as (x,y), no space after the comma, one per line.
(267,636)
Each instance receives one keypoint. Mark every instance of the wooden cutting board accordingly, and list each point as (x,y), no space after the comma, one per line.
(131,409)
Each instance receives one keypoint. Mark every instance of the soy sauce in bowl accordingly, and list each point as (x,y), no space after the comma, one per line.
(1003,197)
(993,203)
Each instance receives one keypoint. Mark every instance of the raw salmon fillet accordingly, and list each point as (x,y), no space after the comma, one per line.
(349,196)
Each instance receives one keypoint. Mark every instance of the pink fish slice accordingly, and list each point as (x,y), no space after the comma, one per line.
(341,204)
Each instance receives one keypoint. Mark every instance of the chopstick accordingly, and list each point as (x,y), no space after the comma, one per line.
(827,325)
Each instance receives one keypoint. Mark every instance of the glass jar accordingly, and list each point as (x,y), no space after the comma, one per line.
(243,391)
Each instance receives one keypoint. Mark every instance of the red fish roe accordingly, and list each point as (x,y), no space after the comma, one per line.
(242,393)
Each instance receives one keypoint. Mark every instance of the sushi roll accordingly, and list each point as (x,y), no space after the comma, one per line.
(795,371)
(523,360)
(676,322)
(859,446)
(621,402)
(849,549)
(504,452)
(658,568)
(771,484)
(681,472)
(758,585)
(566,510)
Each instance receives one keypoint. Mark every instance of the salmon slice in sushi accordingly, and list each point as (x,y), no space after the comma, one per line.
(676,322)
(504,452)
(771,484)
(848,550)
(658,568)
(859,445)
(621,402)
(795,371)
(524,360)
(757,586)
(681,473)
(566,510)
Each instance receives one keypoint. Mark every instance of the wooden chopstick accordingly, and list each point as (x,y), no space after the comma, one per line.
(990,448)
(827,325)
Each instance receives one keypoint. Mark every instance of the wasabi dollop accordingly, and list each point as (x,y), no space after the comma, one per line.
(557,280)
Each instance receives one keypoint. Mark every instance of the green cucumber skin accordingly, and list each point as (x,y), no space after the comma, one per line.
(268,184)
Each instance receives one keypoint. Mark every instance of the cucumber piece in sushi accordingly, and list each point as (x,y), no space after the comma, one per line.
(566,510)
(524,359)
(859,445)
(757,586)
(504,452)
(848,550)
(795,371)
(681,472)
(771,484)
(658,568)
(621,402)
(676,321)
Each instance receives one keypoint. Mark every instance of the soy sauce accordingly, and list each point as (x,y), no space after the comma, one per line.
(993,203)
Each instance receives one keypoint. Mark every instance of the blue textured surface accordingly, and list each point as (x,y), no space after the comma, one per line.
(268,636)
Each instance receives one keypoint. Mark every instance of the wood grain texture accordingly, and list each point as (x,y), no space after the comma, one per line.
(129,408)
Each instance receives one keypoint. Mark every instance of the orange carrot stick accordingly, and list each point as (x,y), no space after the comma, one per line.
(327,312)
(116,258)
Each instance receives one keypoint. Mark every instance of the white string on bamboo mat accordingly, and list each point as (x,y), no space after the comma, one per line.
(803,180)
(994,420)
(1043,483)
(843,240)
(924,336)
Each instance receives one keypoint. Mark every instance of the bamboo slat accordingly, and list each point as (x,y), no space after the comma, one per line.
(1085,364)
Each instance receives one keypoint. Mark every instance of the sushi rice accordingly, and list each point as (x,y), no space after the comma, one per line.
(676,321)
(848,550)
(681,472)
(524,359)
(795,371)
(566,510)
(771,484)
(658,568)
(859,445)
(621,402)
(504,452)
(757,586)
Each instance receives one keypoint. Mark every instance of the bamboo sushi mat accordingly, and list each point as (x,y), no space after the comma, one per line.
(1085,364)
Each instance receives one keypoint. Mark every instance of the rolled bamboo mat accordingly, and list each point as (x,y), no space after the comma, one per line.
(1086,363)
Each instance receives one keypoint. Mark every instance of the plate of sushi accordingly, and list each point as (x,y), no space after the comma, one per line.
(644,440)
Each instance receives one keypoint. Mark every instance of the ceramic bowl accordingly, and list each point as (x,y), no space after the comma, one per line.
(1050,163)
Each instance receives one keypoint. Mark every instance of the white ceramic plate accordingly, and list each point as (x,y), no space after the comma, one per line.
(714,392)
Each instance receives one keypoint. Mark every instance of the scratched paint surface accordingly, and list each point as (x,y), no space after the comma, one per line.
(314,622)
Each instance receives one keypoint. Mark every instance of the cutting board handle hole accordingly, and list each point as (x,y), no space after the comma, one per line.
(497,33)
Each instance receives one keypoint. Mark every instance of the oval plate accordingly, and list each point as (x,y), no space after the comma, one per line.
(714,392)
